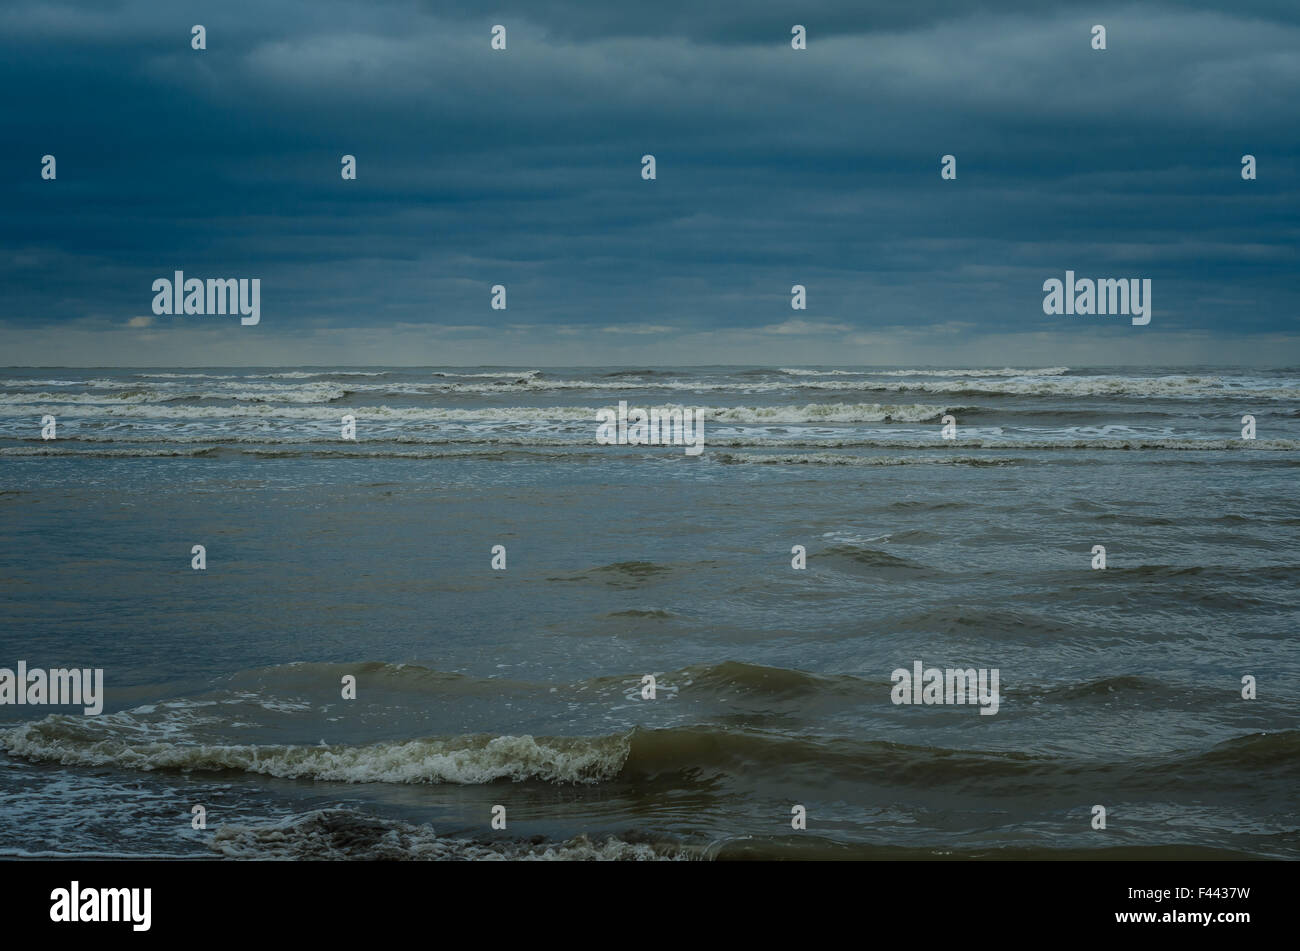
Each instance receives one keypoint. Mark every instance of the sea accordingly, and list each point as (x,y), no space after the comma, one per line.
(473,631)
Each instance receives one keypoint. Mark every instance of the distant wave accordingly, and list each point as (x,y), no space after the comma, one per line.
(808,413)
(286,375)
(170,376)
(834,459)
(303,375)
(120,393)
(1007,371)
(717,449)
(1045,444)
(502,375)
(1045,382)
(109,453)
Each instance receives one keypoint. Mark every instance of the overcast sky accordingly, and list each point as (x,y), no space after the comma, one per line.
(775,167)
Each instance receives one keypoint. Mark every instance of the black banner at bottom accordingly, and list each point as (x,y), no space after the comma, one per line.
(951,901)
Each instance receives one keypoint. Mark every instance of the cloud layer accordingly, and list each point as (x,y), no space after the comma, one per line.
(775,167)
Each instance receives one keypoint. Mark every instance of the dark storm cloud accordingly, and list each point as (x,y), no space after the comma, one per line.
(775,166)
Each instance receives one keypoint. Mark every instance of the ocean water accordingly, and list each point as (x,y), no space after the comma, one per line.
(522,687)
